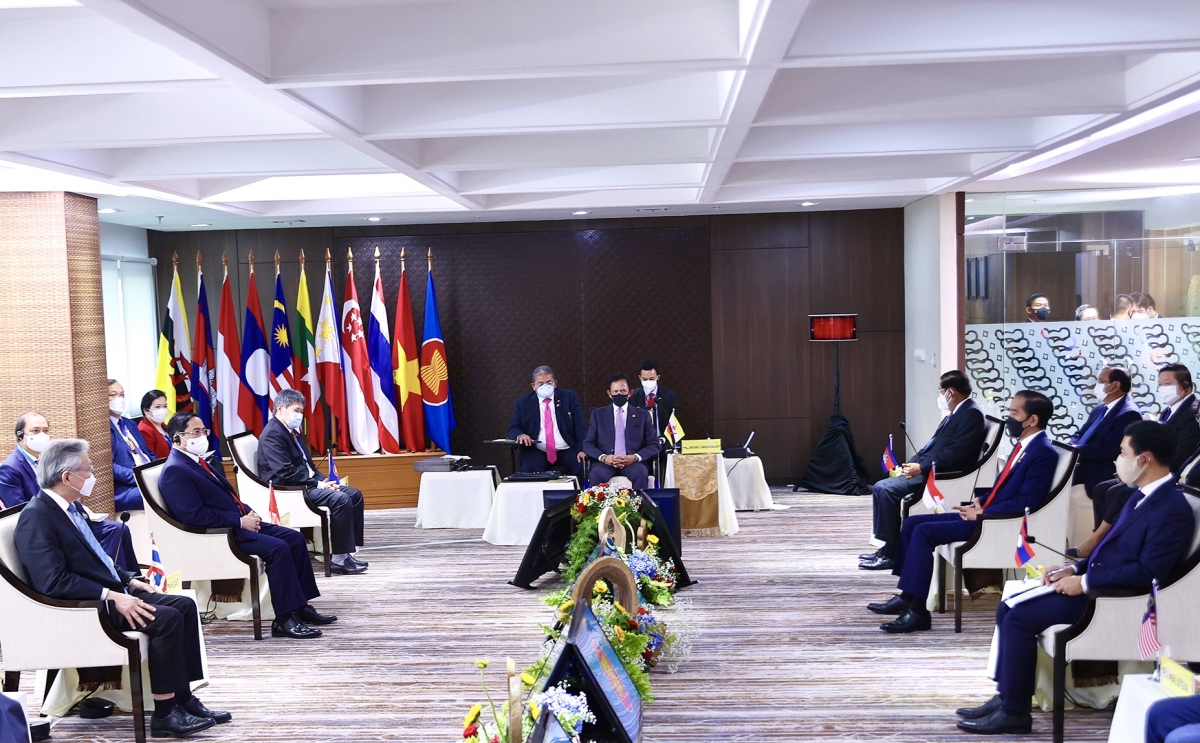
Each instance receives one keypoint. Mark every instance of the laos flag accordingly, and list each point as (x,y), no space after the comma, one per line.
(435,374)
(1025,551)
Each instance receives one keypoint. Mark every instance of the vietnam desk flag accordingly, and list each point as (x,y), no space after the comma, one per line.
(229,363)
(361,411)
(329,368)
(407,365)
(435,373)
(282,371)
(383,378)
(305,362)
(254,405)
(204,368)
(174,367)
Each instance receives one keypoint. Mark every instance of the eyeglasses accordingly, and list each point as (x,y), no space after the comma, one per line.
(196,432)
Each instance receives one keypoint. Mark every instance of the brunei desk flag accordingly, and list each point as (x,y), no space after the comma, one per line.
(889,462)
(174,367)
(673,431)
(204,367)
(254,405)
(933,498)
(435,372)
(361,411)
(1025,551)
(282,371)
(383,377)
(229,363)
(305,363)
(1148,645)
(407,365)
(329,368)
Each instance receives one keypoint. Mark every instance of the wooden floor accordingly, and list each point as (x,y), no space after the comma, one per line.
(786,650)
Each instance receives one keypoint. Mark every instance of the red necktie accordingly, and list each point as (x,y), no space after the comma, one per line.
(1003,475)
(650,401)
(241,506)
(548,424)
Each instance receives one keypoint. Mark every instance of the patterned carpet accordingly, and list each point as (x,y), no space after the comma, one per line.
(786,650)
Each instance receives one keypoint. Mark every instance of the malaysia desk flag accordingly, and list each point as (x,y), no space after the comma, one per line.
(1025,551)
(889,462)
(1148,635)
(933,498)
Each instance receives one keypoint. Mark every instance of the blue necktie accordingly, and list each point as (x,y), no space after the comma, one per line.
(1132,503)
(81,524)
(1166,415)
(1092,428)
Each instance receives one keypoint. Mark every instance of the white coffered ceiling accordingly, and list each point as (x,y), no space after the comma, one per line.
(258,112)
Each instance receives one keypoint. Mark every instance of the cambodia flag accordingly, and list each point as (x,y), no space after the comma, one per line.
(933,498)
(361,411)
(282,372)
(1025,551)
(889,462)
(229,365)
(204,368)
(383,384)
(435,373)
(254,405)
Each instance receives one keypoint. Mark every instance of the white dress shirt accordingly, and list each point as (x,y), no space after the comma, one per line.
(559,444)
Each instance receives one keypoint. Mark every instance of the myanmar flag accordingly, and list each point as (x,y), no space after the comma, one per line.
(305,350)
(174,367)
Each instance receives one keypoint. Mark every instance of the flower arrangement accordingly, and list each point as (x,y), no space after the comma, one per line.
(658,580)
(570,709)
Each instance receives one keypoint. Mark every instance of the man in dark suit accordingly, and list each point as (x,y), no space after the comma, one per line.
(956,445)
(283,458)
(1176,720)
(64,561)
(1149,539)
(1099,440)
(620,438)
(129,450)
(1023,483)
(652,396)
(549,425)
(198,495)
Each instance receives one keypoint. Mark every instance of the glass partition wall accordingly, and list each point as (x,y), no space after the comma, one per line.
(1119,277)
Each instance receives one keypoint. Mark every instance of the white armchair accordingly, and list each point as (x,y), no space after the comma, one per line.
(995,538)
(960,486)
(1109,627)
(198,554)
(38,632)
(254,492)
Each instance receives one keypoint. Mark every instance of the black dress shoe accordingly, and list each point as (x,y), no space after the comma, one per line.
(985,709)
(868,556)
(356,561)
(294,629)
(999,722)
(893,606)
(179,723)
(196,708)
(878,563)
(909,621)
(309,615)
(347,568)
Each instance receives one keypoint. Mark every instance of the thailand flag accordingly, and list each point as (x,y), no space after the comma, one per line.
(933,498)
(1025,551)
(889,462)
(361,411)
(383,384)
(155,574)
(255,402)
(1148,635)
(229,365)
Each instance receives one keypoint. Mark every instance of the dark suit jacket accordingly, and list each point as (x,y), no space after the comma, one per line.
(640,436)
(281,460)
(1029,481)
(60,564)
(18,481)
(1187,432)
(664,402)
(125,491)
(200,500)
(1148,544)
(568,414)
(957,442)
(1097,457)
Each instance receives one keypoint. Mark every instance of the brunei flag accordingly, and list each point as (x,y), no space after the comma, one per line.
(435,372)
(889,462)
(1025,551)
(673,431)
(933,498)
(174,367)
(407,365)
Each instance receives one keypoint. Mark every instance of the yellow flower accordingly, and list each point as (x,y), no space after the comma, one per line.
(620,502)
(566,605)
(599,587)
(587,498)
(472,715)
(527,679)
(534,711)
(618,607)
(482,664)
(620,634)
(651,539)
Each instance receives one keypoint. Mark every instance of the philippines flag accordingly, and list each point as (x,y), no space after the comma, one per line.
(1148,635)
(435,372)
(155,574)
(889,462)
(361,411)
(328,351)
(229,364)
(254,405)
(204,367)
(383,384)
(282,372)
(1025,551)
(933,498)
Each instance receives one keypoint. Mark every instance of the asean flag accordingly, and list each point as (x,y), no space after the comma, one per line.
(435,374)
(361,412)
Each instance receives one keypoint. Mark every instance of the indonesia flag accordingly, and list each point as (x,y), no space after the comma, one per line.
(254,405)
(383,386)
(933,498)
(1148,634)
(229,364)
(361,412)
(1025,551)
(328,357)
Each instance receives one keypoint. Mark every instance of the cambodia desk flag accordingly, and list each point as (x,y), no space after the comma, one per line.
(174,367)
(1148,634)
(406,362)
(282,372)
(361,411)
(435,373)
(204,367)
(889,462)
(229,364)
(383,378)
(329,368)
(155,575)
(933,498)
(305,362)
(1025,551)
(254,405)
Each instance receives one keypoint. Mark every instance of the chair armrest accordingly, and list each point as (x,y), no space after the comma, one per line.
(1115,593)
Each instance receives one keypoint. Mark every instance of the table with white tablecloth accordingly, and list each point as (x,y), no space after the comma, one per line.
(456,500)
(726,519)
(517,508)
(1138,692)
(748,484)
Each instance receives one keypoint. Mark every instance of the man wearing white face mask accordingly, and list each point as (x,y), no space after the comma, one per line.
(549,425)
(129,450)
(1099,439)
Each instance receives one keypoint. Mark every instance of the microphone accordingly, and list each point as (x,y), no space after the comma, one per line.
(1033,540)
(910,441)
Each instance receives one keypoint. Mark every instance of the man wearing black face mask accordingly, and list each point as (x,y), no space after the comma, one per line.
(620,438)
(1037,308)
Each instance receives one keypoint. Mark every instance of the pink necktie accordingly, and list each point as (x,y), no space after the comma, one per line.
(619,444)
(548,424)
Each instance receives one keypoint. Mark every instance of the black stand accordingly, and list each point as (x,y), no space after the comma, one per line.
(512,450)
(837,380)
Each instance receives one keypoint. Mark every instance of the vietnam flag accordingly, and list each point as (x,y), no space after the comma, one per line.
(407,365)
(361,412)
(305,363)
(174,367)
(329,370)
(435,372)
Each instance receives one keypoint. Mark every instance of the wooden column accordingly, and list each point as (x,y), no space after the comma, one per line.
(52,313)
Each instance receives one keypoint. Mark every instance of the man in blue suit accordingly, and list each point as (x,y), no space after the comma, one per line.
(1023,483)
(621,438)
(129,450)
(1149,539)
(198,495)
(956,445)
(1174,720)
(18,484)
(549,425)
(1099,440)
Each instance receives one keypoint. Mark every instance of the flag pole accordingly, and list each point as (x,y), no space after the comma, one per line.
(430,257)
(225,263)
(402,254)
(330,443)
(251,259)
(276,261)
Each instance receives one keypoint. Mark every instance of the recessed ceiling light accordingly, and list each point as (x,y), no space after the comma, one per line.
(374,219)
(107,210)
(287,221)
(808,203)
(652,209)
(1193,158)
(579,213)
(970,218)
(970,200)
(201,224)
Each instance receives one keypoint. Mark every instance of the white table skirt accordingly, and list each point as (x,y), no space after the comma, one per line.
(455,500)
(516,510)
(748,483)
(726,518)
(1138,692)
